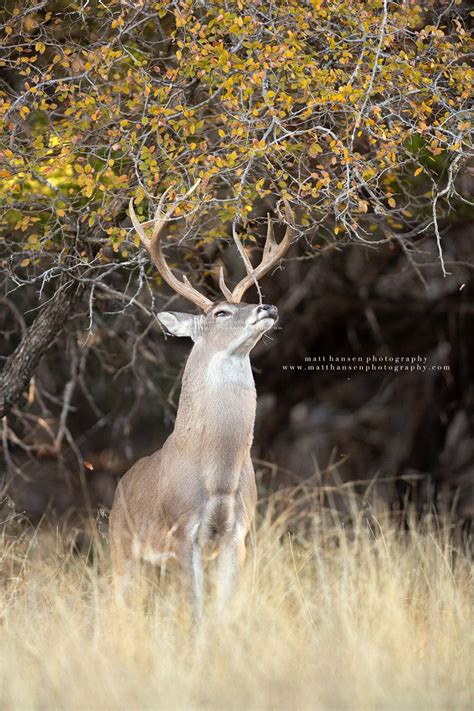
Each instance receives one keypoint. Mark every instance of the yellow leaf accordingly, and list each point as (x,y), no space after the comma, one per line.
(392,202)
(40,47)
(418,171)
(139,195)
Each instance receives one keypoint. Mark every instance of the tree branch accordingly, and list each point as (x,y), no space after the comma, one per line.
(22,363)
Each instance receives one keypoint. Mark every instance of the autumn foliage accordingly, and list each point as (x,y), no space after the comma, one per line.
(357,111)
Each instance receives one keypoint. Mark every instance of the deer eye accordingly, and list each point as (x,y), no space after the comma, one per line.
(221,313)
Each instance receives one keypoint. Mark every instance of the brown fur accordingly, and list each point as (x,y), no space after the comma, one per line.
(198,493)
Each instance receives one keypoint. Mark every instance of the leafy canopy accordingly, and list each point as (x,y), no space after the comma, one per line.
(356,110)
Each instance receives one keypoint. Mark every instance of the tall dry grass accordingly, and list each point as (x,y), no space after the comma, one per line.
(345,612)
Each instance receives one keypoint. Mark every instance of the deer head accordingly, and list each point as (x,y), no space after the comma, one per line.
(225,324)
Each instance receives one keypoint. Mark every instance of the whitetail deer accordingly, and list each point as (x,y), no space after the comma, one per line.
(197,494)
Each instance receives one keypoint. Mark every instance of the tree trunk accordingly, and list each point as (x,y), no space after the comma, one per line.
(22,363)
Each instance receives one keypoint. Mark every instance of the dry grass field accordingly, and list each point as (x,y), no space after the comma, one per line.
(333,612)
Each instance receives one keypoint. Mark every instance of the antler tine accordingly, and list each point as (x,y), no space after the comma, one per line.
(270,241)
(272,253)
(160,217)
(153,246)
(223,286)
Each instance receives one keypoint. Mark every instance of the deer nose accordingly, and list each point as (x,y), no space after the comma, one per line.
(271,311)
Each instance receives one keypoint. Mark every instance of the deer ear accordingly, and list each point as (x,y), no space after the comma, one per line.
(177,323)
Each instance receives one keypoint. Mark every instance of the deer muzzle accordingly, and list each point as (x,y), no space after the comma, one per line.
(267,311)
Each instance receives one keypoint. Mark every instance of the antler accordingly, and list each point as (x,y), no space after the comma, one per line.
(272,253)
(153,246)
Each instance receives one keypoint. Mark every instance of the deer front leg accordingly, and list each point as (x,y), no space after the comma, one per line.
(229,564)
(194,576)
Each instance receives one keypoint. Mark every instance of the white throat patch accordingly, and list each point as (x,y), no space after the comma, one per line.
(226,369)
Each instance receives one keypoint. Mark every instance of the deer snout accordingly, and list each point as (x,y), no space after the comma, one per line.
(267,311)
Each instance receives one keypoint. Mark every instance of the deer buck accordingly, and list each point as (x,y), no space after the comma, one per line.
(196,496)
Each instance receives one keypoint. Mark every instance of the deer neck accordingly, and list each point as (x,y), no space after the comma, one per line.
(216,412)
